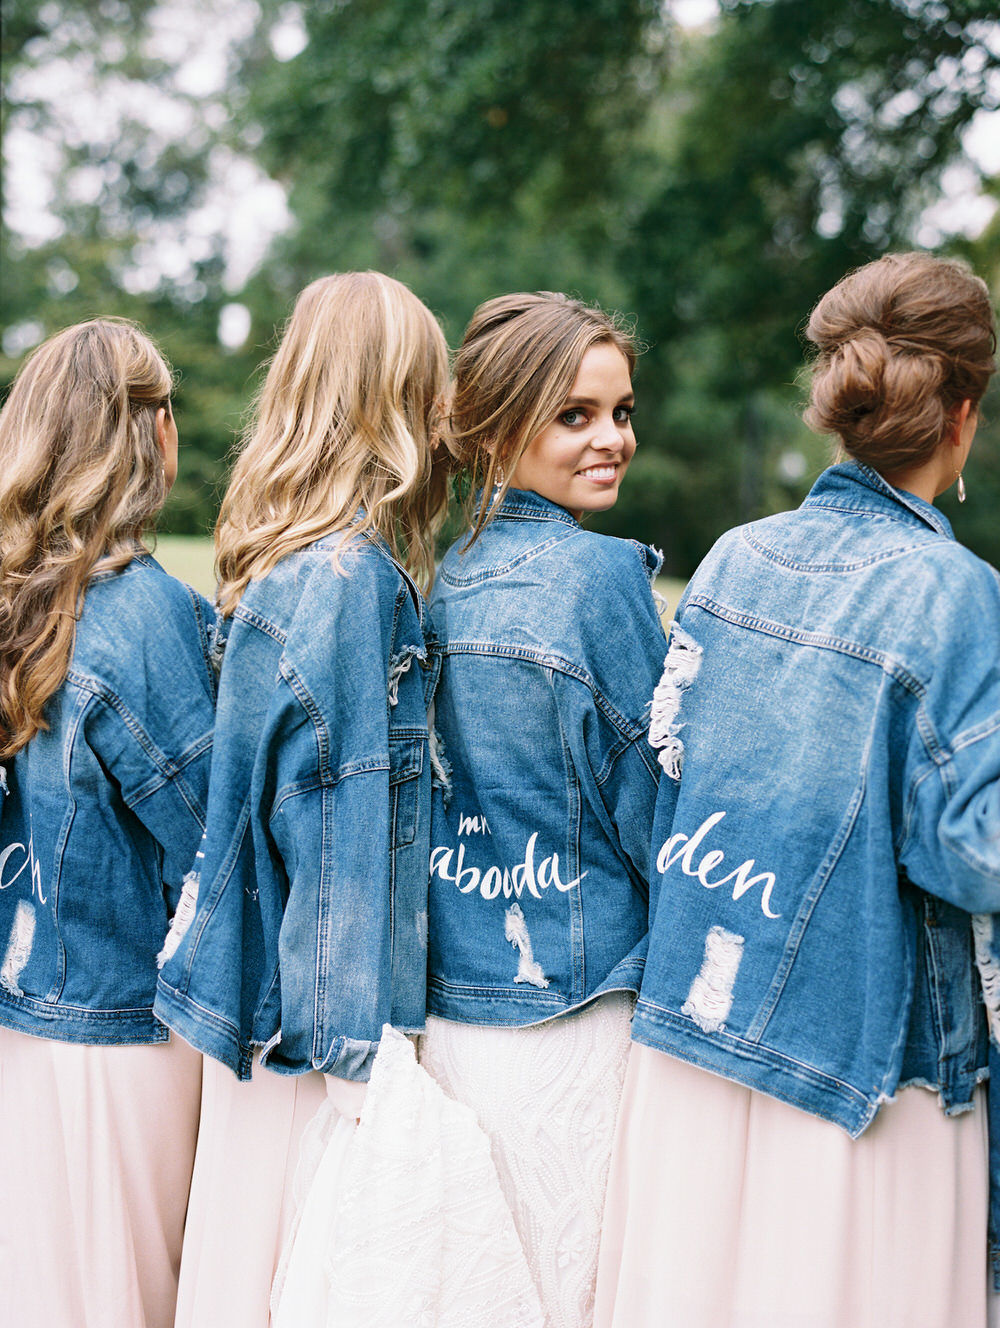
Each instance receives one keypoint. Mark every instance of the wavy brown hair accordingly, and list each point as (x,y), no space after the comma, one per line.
(517,363)
(900,342)
(81,479)
(342,433)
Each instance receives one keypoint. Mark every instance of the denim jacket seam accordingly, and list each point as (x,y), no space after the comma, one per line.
(867,478)
(879,514)
(211,1016)
(198,812)
(213,892)
(167,766)
(326,779)
(629,730)
(663,1014)
(254,619)
(640,745)
(327,774)
(157,782)
(940,761)
(820,640)
(58,1007)
(970,736)
(55,895)
(516,509)
(501,569)
(798,565)
(321,731)
(924,772)
(478,989)
(810,898)
(878,484)
(205,636)
(275,982)
(321,971)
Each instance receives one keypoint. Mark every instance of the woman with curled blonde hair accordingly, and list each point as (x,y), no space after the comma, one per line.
(106,710)
(304,932)
(341,433)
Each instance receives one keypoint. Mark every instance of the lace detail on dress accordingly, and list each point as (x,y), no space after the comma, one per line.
(548,1098)
(412,1228)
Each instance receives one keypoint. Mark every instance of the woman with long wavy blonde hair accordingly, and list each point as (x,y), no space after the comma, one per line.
(305,932)
(341,434)
(106,710)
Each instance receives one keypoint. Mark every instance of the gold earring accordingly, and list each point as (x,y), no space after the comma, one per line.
(961,488)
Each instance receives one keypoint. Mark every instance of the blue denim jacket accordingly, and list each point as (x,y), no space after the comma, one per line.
(829,812)
(310,929)
(552,644)
(101,813)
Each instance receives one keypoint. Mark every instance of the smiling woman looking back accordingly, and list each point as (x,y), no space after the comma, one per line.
(552,645)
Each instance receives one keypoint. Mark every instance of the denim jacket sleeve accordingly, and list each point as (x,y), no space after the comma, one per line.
(158,760)
(951,830)
(606,722)
(330,822)
(952,810)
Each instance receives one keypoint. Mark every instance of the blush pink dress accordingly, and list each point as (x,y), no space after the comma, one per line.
(729,1209)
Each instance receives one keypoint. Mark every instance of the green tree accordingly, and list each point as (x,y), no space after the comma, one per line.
(807,139)
(468,148)
(80,81)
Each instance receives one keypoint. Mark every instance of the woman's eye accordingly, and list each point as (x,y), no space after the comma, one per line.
(571,417)
(623,414)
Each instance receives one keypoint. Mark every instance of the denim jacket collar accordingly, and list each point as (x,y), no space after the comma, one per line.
(519,504)
(857,487)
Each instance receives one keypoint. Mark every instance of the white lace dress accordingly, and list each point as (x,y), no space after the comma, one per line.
(547,1097)
(401,1219)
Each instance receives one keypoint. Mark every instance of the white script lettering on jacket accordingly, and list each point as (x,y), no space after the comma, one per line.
(681,848)
(448,864)
(14,860)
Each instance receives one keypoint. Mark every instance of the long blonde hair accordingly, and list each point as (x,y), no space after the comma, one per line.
(342,432)
(81,478)
(517,363)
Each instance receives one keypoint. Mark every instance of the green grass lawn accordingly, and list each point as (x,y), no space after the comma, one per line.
(671,589)
(189,557)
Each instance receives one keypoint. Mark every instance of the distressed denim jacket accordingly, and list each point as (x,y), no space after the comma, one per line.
(310,928)
(552,644)
(102,812)
(829,812)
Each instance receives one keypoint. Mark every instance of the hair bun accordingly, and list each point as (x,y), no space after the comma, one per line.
(900,342)
(856,368)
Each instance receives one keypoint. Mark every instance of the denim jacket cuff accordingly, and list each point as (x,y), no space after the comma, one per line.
(347,1058)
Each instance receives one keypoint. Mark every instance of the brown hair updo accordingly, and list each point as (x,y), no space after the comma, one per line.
(901,341)
(517,363)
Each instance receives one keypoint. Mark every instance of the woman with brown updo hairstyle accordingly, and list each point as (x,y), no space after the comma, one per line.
(803,1130)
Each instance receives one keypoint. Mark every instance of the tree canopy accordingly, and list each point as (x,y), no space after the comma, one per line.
(711,183)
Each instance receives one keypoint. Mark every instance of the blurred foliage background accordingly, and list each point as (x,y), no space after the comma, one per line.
(193,165)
